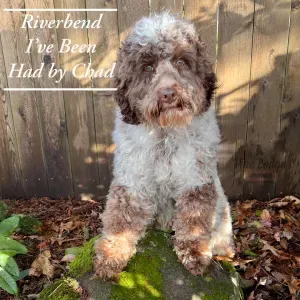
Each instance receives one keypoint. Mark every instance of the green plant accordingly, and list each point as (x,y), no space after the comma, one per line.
(9,271)
(3,211)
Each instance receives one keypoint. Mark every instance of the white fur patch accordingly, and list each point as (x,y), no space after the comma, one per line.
(158,165)
(150,30)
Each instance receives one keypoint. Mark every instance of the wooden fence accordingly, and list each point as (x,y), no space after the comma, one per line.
(58,144)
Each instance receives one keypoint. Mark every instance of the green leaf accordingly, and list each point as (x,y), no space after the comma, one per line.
(7,282)
(22,274)
(9,252)
(255,224)
(9,225)
(28,224)
(258,213)
(9,264)
(248,252)
(11,245)
(75,250)
(3,210)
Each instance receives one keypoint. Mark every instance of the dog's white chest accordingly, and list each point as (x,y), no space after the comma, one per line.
(174,164)
(165,163)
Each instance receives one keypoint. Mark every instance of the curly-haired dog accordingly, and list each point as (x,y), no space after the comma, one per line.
(165,165)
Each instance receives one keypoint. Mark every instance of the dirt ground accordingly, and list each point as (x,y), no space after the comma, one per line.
(267,239)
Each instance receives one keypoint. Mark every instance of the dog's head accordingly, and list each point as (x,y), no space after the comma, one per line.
(163,74)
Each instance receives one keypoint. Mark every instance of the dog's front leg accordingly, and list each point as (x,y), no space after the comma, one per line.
(193,226)
(124,222)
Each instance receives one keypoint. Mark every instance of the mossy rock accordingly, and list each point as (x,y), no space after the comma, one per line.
(62,289)
(155,273)
(83,262)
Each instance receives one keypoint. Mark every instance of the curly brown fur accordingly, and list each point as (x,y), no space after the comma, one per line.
(222,243)
(193,225)
(137,90)
(124,223)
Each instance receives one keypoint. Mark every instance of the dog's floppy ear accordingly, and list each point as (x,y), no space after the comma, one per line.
(210,86)
(129,115)
(205,70)
(122,82)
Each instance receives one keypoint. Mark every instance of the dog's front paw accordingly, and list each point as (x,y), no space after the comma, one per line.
(196,264)
(193,256)
(107,268)
(110,258)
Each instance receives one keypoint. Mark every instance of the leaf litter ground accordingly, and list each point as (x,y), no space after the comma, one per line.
(267,239)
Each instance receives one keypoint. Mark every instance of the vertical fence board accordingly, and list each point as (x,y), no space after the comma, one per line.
(204,15)
(107,40)
(51,107)
(23,104)
(288,181)
(10,169)
(233,70)
(78,105)
(174,6)
(60,143)
(267,77)
(129,12)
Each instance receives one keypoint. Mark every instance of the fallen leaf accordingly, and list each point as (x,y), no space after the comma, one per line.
(277,236)
(266,218)
(251,296)
(247,204)
(279,204)
(284,243)
(287,234)
(294,200)
(66,226)
(280,277)
(251,272)
(282,215)
(42,265)
(266,280)
(42,245)
(68,258)
(294,286)
(267,246)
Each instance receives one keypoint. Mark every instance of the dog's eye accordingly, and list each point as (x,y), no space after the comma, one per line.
(148,68)
(180,62)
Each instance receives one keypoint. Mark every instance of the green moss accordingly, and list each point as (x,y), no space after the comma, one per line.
(220,289)
(83,262)
(228,267)
(217,290)
(62,289)
(142,279)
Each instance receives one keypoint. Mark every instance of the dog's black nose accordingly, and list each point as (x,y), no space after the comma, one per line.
(167,95)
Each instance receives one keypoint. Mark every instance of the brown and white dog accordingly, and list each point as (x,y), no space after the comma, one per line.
(165,165)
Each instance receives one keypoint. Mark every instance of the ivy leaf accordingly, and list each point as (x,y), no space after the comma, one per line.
(7,282)
(22,275)
(9,264)
(3,210)
(7,244)
(9,225)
